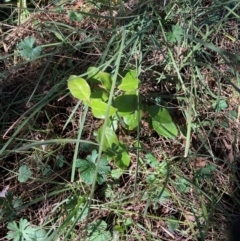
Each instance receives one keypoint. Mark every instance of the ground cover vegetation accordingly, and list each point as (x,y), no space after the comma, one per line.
(119,119)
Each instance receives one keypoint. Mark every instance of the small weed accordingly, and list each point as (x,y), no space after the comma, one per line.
(24,231)
(10,206)
(98,231)
(24,173)
(87,168)
(28,50)
(125,108)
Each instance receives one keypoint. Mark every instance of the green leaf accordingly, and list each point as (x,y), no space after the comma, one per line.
(23,232)
(97,231)
(110,138)
(93,76)
(233,114)
(41,235)
(126,103)
(175,35)
(128,222)
(45,169)
(82,214)
(116,173)
(87,147)
(162,196)
(173,224)
(88,167)
(99,94)
(87,170)
(27,49)
(129,82)
(162,121)
(103,166)
(113,122)
(159,114)
(162,168)
(108,191)
(132,120)
(58,35)
(182,185)
(60,160)
(168,130)
(151,160)
(79,88)
(106,80)
(24,173)
(99,109)
(150,178)
(220,105)
(74,16)
(122,158)
(205,172)
(157,195)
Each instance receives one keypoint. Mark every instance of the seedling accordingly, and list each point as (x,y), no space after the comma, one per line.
(126,108)
(28,50)
(87,168)
(24,231)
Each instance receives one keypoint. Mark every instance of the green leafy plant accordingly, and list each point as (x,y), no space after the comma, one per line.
(24,232)
(157,193)
(74,16)
(172,224)
(97,231)
(151,160)
(87,168)
(9,206)
(205,172)
(24,173)
(175,35)
(162,121)
(79,212)
(157,196)
(220,105)
(27,49)
(123,225)
(182,185)
(126,109)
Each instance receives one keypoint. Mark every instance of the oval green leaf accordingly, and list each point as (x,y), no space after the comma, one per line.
(168,130)
(159,114)
(129,82)
(24,173)
(93,75)
(99,109)
(110,140)
(106,80)
(122,160)
(99,94)
(132,120)
(126,103)
(79,88)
